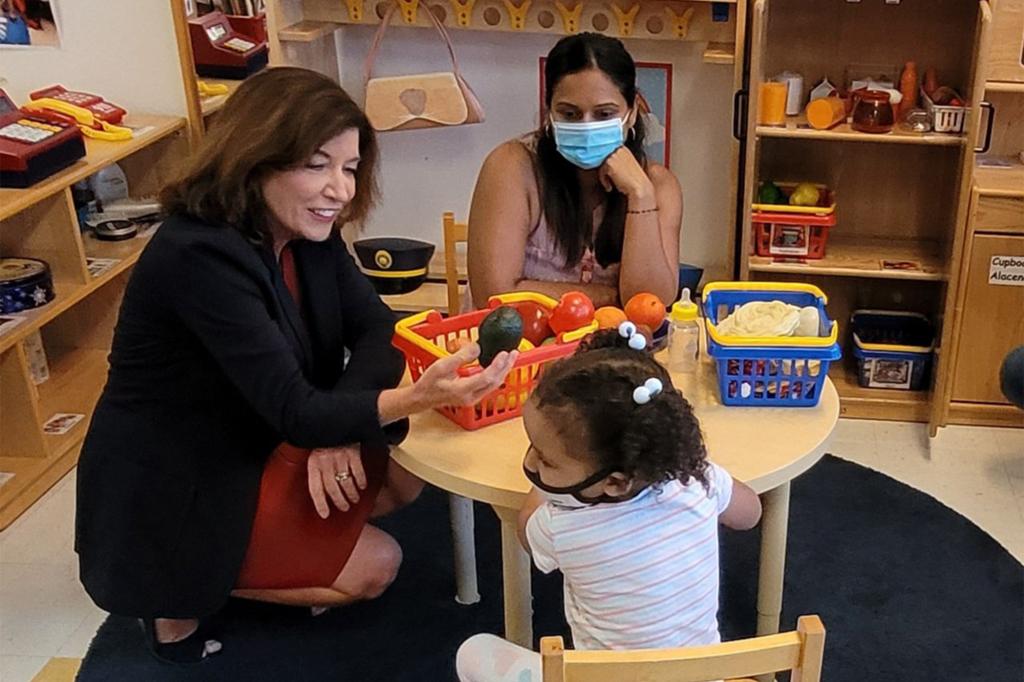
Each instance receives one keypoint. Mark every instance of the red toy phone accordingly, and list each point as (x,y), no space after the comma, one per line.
(101,109)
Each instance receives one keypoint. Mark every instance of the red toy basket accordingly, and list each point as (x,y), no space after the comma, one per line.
(791,235)
(423,338)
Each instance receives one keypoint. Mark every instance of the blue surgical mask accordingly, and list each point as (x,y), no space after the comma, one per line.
(587,144)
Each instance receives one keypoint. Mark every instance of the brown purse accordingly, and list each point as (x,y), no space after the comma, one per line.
(425,100)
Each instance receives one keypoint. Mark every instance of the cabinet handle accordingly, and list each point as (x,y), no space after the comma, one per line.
(740,100)
(988,127)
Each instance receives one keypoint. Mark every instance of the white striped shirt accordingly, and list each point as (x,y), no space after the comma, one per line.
(639,574)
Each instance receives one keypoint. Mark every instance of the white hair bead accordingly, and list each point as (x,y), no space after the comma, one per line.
(653,386)
(627,329)
(641,396)
(637,342)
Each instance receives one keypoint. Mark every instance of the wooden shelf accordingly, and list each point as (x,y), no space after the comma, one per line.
(430,296)
(211,105)
(68,295)
(1000,181)
(77,377)
(796,127)
(98,154)
(875,403)
(863,258)
(1004,86)
(307,31)
(720,53)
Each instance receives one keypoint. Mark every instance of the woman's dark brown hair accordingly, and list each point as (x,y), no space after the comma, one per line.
(275,121)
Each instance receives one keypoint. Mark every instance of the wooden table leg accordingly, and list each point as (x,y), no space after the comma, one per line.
(515,564)
(772,572)
(460,509)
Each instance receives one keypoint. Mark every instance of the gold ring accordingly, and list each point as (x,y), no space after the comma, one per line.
(342,477)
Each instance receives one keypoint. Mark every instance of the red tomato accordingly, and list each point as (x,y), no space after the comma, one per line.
(535,321)
(574,310)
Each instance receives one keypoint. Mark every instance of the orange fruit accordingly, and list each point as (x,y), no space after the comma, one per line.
(646,309)
(609,317)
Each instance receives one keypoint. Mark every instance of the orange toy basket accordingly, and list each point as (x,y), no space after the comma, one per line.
(424,338)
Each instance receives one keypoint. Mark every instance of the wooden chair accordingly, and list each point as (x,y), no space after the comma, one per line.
(460,509)
(454,234)
(800,651)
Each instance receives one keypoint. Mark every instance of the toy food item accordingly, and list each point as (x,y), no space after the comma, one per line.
(825,112)
(574,310)
(769,193)
(908,87)
(609,317)
(646,309)
(931,81)
(535,321)
(501,330)
(805,194)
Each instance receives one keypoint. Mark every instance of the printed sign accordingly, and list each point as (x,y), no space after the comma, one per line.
(61,423)
(1007,271)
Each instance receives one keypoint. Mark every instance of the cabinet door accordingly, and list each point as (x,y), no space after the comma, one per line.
(993,319)
(1006,62)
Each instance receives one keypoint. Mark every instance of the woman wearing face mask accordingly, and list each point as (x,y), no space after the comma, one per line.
(576,206)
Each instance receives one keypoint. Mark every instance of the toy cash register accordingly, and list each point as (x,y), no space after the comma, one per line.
(35,144)
(221,52)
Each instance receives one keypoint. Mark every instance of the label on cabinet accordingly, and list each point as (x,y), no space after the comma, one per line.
(1006,270)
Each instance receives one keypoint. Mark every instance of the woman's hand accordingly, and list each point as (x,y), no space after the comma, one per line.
(336,473)
(621,171)
(442,385)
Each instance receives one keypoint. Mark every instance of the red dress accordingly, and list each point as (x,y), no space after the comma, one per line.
(290,545)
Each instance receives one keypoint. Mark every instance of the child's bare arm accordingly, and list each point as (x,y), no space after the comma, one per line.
(533,500)
(744,510)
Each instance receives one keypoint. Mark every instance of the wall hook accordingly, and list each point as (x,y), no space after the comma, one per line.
(680,22)
(626,18)
(517,15)
(463,12)
(570,17)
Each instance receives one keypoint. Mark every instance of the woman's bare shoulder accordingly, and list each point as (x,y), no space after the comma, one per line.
(511,154)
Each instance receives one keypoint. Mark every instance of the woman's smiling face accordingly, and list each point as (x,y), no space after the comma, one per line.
(305,202)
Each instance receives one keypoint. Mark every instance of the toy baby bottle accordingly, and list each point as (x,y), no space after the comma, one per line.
(684,343)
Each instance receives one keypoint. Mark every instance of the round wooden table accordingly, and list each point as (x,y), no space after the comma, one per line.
(764,447)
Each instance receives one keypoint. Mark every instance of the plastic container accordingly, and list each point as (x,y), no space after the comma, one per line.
(423,339)
(684,339)
(790,235)
(946,118)
(769,371)
(893,349)
(109,184)
(826,201)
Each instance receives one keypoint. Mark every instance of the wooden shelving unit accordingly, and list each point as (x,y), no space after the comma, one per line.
(900,196)
(211,105)
(863,258)
(76,328)
(797,127)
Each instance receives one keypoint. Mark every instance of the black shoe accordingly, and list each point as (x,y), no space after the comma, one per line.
(192,649)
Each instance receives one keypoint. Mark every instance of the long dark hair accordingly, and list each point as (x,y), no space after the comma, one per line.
(275,121)
(655,442)
(559,183)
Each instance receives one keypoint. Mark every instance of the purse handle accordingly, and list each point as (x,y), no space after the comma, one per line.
(371,56)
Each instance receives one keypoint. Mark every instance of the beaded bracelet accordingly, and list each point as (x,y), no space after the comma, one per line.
(642,211)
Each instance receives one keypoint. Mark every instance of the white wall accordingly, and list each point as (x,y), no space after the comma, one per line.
(425,172)
(123,50)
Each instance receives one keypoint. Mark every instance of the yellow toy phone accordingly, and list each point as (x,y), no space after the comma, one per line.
(95,117)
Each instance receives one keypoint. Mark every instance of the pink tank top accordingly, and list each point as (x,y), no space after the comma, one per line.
(544,262)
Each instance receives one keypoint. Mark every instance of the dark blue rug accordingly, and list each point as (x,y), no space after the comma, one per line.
(908,590)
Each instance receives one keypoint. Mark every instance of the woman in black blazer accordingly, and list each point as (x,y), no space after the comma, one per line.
(232,340)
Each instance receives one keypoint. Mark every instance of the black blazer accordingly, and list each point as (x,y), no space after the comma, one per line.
(212,366)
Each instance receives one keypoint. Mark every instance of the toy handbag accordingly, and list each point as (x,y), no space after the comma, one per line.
(424,100)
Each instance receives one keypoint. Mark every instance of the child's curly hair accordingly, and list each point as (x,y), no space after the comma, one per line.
(655,442)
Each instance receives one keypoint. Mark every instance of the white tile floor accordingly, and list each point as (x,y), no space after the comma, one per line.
(44,612)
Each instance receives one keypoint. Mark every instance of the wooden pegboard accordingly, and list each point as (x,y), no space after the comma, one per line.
(646,19)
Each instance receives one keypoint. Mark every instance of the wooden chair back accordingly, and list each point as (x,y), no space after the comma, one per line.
(454,234)
(800,651)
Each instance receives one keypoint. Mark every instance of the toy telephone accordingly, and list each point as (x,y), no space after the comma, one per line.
(35,144)
(96,118)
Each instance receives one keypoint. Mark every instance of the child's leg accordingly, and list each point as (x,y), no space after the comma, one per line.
(486,658)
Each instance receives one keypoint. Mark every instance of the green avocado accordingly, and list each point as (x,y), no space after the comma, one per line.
(501,330)
(769,193)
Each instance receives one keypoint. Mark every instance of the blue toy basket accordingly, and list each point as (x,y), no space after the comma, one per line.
(769,371)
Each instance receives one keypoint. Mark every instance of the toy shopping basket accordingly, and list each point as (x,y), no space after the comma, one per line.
(772,371)
(424,338)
